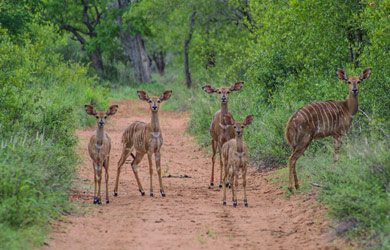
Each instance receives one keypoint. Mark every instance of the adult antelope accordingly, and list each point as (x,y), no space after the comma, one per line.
(317,120)
(220,131)
(99,147)
(145,138)
(235,157)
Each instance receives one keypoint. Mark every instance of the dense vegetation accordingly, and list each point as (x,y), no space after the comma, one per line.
(58,55)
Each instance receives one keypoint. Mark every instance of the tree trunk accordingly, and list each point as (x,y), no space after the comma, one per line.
(97,62)
(134,47)
(186,43)
(158,59)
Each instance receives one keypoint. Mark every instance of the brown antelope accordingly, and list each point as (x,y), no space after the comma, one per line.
(145,138)
(235,157)
(219,130)
(318,120)
(99,149)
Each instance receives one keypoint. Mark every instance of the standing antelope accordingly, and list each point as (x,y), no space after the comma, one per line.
(99,147)
(318,120)
(145,138)
(219,130)
(235,157)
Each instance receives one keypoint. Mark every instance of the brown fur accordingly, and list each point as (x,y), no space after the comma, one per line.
(219,131)
(144,138)
(318,120)
(235,158)
(99,148)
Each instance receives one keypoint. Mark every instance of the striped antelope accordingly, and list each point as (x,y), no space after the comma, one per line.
(99,147)
(219,130)
(145,138)
(318,120)
(235,157)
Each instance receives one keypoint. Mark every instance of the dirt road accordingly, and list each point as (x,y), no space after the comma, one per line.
(191,216)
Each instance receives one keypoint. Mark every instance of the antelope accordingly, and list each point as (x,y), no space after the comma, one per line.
(318,120)
(220,131)
(235,157)
(145,138)
(99,147)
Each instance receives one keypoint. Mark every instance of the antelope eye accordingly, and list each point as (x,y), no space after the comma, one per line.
(349,82)
(97,117)
(158,101)
(219,92)
(228,92)
(149,101)
(242,126)
(235,126)
(105,117)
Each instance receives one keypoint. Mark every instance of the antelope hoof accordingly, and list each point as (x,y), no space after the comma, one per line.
(290,189)
(107,201)
(142,192)
(151,194)
(246,203)
(220,185)
(95,200)
(297,187)
(230,186)
(211,184)
(235,204)
(99,202)
(115,193)
(162,193)
(224,203)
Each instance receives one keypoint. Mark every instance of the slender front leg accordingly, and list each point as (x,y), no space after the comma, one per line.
(221,164)
(225,177)
(95,182)
(150,172)
(134,166)
(125,153)
(99,178)
(158,167)
(244,184)
(236,172)
(337,143)
(106,165)
(214,147)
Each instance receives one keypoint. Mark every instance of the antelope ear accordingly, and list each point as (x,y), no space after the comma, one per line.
(237,86)
(166,95)
(228,119)
(209,89)
(90,110)
(341,74)
(248,120)
(112,109)
(365,74)
(142,95)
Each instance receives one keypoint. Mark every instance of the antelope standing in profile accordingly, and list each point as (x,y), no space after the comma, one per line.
(318,120)
(145,138)
(235,157)
(99,147)
(219,130)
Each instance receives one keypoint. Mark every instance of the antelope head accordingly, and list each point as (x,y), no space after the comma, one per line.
(353,81)
(101,116)
(223,92)
(238,126)
(154,101)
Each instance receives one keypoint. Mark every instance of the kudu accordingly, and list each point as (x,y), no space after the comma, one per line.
(99,147)
(145,138)
(318,120)
(220,131)
(235,158)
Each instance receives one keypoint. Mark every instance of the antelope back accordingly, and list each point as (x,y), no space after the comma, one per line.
(135,136)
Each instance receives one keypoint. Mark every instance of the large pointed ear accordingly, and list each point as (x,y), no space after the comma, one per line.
(237,86)
(365,74)
(228,118)
(341,74)
(209,89)
(112,109)
(90,110)
(166,95)
(142,95)
(248,120)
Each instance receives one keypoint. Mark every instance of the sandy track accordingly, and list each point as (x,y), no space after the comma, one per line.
(191,216)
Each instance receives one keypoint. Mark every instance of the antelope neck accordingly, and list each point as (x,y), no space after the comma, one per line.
(154,124)
(240,144)
(99,136)
(352,103)
(224,111)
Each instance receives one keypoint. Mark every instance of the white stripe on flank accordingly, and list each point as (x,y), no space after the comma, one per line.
(327,118)
(322,117)
(333,112)
(312,118)
(307,117)
(331,128)
(318,117)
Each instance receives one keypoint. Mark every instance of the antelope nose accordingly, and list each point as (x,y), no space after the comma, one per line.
(223,99)
(101,123)
(354,90)
(154,107)
(238,132)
